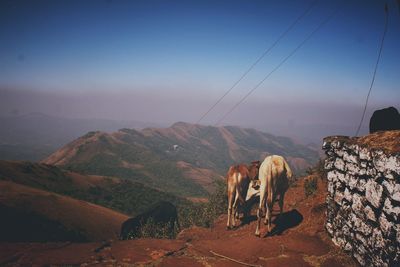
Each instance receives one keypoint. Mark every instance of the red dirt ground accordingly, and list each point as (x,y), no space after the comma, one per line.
(300,240)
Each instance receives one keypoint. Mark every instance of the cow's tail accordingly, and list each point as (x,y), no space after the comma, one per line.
(289,173)
(269,182)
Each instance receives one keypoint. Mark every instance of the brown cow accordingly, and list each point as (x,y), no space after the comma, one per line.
(238,179)
(274,176)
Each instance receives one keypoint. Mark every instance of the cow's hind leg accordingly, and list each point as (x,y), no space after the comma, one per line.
(261,208)
(269,208)
(235,210)
(281,199)
(268,215)
(259,215)
(228,223)
(231,196)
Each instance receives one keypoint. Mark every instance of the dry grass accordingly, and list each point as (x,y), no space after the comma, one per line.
(387,141)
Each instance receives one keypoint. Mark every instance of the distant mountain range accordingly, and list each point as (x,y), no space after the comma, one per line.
(183,159)
(35,136)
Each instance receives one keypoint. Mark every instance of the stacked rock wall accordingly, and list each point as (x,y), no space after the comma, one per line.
(363,202)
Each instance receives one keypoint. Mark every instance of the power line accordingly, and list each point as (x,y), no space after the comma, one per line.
(376,67)
(278,66)
(291,26)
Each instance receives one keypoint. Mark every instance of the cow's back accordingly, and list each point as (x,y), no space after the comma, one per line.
(272,166)
(274,172)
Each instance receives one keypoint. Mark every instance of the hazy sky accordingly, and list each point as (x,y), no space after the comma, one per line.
(167,61)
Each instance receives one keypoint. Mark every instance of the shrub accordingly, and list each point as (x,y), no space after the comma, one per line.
(318,169)
(151,229)
(204,214)
(310,185)
(218,201)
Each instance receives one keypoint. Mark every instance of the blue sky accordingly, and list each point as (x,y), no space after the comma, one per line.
(195,50)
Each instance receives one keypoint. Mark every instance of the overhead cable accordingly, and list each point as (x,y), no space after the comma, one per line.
(278,66)
(283,34)
(375,69)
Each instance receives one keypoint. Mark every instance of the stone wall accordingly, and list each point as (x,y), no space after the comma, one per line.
(363,202)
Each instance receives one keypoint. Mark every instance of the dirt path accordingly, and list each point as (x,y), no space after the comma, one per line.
(299,240)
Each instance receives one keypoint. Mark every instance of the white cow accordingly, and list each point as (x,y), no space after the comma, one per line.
(274,176)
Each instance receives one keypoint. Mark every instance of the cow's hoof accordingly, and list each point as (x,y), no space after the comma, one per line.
(257,235)
(228,228)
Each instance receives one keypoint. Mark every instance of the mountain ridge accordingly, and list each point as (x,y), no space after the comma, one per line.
(182,159)
(34,136)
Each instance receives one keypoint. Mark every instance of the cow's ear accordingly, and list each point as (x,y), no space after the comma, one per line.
(255,163)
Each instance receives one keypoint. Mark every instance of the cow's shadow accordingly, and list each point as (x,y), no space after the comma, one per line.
(247,209)
(285,221)
(248,219)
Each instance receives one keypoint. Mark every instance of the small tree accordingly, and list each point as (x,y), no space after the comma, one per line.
(217,203)
(310,185)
